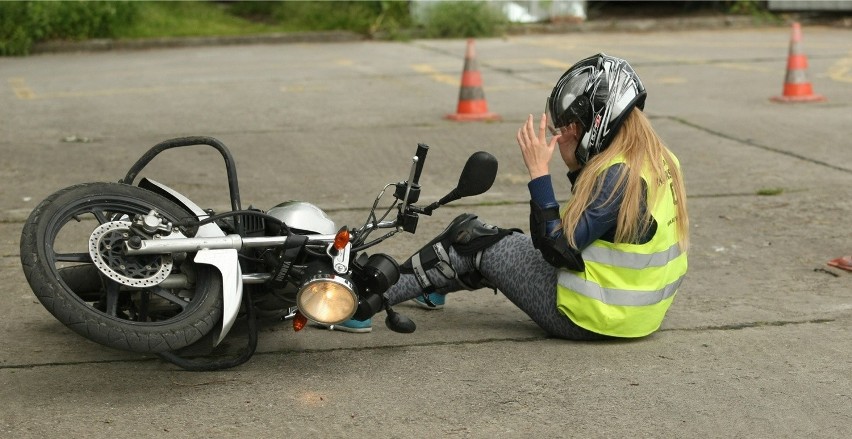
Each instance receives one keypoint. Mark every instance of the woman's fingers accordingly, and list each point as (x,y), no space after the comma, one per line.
(524,134)
(542,126)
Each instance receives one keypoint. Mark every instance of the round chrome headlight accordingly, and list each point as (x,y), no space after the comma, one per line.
(327,299)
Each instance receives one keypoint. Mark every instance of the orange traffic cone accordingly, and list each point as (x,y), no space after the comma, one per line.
(797,88)
(472,104)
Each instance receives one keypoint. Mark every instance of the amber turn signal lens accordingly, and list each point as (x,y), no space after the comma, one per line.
(341,239)
(299,321)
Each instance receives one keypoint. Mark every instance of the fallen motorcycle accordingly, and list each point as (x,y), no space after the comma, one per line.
(144,269)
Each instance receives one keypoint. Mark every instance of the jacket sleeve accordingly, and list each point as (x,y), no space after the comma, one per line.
(553,245)
(597,221)
(546,227)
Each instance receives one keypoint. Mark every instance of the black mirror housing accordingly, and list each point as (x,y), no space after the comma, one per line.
(478,175)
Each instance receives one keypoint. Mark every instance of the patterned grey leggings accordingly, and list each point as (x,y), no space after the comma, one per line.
(534,292)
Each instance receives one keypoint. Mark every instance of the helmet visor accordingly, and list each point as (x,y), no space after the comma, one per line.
(562,105)
(551,127)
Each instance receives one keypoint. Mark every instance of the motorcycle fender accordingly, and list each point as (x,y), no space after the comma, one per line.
(225,260)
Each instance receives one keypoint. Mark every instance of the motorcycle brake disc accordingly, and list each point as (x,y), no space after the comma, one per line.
(106,247)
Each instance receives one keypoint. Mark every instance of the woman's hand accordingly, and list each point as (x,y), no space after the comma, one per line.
(535,148)
(568,142)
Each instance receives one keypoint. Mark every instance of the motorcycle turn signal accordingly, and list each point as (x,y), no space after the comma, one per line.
(340,241)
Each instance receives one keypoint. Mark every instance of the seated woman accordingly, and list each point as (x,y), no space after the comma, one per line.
(610,263)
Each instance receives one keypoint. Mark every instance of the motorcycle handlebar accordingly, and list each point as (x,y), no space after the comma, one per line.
(422,149)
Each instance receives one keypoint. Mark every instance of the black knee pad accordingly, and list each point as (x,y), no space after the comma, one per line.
(468,235)
(476,236)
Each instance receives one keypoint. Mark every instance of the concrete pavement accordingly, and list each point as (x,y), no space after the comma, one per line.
(756,344)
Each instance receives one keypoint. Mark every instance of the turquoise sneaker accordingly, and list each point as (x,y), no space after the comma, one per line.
(436,301)
(352,325)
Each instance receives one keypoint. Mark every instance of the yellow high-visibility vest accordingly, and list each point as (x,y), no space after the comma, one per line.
(626,289)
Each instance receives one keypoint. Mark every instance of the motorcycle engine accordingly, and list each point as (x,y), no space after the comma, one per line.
(302,218)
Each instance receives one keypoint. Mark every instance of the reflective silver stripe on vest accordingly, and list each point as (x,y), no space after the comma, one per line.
(635,261)
(613,296)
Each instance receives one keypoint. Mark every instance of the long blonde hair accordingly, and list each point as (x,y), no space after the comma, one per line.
(641,148)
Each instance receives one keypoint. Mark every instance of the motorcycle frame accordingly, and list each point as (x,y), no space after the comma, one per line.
(213,246)
(226,260)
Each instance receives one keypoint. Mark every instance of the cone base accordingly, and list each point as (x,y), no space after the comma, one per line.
(806,98)
(467,117)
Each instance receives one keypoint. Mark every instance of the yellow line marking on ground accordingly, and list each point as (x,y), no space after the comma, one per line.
(21,89)
(427,69)
(550,62)
(737,66)
(117,91)
(841,71)
(455,81)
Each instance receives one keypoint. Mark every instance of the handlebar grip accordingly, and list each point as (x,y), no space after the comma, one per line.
(422,149)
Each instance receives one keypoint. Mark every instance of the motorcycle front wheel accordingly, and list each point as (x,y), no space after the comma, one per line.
(144,318)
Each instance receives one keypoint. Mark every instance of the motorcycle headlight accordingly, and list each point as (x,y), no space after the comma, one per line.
(327,299)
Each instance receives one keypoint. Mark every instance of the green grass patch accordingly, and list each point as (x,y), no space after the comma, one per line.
(770,191)
(154,19)
(364,17)
(463,19)
(25,23)
(189,19)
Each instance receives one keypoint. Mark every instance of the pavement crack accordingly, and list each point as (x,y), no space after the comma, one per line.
(75,363)
(405,346)
(728,327)
(747,325)
(754,144)
(283,352)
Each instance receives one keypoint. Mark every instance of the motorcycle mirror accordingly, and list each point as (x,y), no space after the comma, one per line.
(477,177)
(478,174)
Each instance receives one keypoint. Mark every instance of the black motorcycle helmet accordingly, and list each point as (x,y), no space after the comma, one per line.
(598,92)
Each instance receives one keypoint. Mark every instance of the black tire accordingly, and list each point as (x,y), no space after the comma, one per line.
(62,275)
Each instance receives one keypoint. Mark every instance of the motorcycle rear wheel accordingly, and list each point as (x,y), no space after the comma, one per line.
(61,273)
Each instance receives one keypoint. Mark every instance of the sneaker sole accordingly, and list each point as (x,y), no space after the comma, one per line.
(423,305)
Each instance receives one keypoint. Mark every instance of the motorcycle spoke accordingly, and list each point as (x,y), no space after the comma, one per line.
(73,257)
(99,216)
(165,294)
(142,308)
(112,292)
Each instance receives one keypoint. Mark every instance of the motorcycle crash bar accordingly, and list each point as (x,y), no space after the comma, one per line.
(236,242)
